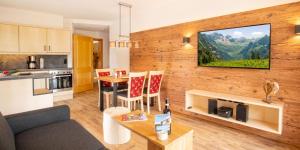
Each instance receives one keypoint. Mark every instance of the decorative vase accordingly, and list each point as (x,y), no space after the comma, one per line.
(271,89)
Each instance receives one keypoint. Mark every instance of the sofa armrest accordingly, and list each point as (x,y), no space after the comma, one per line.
(32,119)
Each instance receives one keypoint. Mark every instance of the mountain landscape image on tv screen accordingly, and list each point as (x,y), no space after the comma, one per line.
(243,47)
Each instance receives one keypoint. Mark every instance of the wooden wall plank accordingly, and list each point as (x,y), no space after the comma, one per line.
(162,49)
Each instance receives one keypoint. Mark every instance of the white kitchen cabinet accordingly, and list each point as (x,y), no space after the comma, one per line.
(59,40)
(32,39)
(17,96)
(9,38)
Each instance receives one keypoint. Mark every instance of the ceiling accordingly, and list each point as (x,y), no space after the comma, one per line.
(79,9)
(146,14)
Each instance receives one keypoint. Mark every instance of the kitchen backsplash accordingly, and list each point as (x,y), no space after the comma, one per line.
(8,61)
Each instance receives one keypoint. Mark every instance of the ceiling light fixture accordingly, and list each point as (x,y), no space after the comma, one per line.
(124,38)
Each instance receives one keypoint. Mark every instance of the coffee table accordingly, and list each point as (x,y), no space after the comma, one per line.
(181,137)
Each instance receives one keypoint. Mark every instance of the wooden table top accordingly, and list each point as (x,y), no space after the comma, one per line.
(146,129)
(113,79)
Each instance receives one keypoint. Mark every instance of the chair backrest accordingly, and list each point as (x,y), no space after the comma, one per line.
(103,73)
(136,84)
(154,82)
(122,70)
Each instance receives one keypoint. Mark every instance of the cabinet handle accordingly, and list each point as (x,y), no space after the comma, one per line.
(45,48)
(49,48)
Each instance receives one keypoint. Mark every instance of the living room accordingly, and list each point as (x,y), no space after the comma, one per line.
(149,74)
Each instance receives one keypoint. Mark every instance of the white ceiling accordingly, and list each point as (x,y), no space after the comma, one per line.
(79,9)
(146,14)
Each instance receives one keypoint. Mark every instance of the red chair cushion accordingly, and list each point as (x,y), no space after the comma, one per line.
(104,74)
(155,83)
(136,86)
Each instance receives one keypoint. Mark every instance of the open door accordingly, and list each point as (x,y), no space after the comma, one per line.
(82,63)
(98,53)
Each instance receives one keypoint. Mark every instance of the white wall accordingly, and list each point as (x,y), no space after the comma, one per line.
(119,57)
(33,18)
(148,14)
(100,35)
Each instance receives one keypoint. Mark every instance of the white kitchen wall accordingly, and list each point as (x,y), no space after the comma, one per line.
(27,17)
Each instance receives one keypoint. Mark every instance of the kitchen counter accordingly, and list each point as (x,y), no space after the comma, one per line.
(33,70)
(36,73)
(17,77)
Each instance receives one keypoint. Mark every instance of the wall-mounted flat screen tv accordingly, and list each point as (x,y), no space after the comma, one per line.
(242,47)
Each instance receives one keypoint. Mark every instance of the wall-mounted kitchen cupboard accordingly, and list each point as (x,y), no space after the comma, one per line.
(34,40)
(9,38)
(59,41)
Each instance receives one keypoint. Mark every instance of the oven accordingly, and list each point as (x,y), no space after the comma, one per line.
(61,80)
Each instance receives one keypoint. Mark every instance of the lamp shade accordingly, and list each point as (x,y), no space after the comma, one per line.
(297,29)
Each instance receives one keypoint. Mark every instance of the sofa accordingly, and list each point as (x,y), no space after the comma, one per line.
(45,129)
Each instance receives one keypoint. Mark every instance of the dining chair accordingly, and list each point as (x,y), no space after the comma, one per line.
(153,88)
(106,86)
(123,71)
(135,90)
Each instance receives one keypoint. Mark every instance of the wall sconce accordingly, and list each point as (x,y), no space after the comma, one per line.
(186,40)
(297,29)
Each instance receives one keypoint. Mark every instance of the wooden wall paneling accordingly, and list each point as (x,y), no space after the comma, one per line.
(162,49)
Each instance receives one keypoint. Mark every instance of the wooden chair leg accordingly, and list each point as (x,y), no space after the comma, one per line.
(122,103)
(129,105)
(99,98)
(148,104)
(158,103)
(107,100)
(142,105)
(134,105)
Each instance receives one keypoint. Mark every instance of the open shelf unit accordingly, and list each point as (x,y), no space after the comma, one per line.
(263,116)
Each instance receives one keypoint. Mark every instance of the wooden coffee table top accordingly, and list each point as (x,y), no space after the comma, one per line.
(146,129)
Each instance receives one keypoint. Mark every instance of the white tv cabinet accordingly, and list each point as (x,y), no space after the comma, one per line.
(263,116)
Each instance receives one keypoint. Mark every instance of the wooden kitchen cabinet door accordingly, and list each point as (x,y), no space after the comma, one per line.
(59,41)
(32,39)
(9,38)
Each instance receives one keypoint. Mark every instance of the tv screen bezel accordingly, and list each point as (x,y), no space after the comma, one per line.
(269,67)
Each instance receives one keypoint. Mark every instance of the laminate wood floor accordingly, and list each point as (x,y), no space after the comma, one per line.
(207,135)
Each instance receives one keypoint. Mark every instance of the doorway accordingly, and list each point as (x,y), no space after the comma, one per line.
(98,53)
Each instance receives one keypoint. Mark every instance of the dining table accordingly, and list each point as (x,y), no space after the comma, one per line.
(115,82)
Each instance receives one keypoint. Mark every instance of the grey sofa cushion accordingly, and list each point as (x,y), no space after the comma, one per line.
(65,135)
(7,139)
(31,119)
